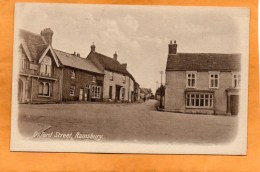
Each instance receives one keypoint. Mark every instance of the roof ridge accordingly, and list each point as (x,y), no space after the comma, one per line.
(36,34)
(69,54)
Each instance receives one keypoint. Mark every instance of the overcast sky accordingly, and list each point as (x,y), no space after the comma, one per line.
(139,34)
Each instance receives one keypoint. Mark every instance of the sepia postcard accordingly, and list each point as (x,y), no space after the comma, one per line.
(130,79)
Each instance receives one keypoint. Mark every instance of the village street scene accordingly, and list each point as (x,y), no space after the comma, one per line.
(168,95)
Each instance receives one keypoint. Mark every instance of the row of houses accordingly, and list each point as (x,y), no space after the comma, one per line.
(207,83)
(49,75)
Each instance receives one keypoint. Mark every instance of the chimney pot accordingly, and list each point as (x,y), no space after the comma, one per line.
(115,56)
(78,54)
(47,33)
(173,47)
(124,65)
(93,47)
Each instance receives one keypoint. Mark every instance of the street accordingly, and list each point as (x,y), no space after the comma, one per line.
(137,122)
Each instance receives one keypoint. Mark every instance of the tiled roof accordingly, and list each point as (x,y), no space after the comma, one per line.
(203,62)
(109,63)
(76,62)
(35,43)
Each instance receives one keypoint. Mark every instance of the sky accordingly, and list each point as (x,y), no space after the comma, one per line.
(139,34)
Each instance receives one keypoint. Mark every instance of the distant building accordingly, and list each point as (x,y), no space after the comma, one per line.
(202,82)
(118,82)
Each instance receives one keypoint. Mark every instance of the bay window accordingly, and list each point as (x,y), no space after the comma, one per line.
(199,100)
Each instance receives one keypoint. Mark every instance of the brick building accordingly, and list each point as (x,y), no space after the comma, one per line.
(81,80)
(202,82)
(118,82)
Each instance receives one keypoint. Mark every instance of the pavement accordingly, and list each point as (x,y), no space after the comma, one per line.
(137,122)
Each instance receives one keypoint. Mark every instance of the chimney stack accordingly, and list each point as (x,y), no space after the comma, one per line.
(93,48)
(173,48)
(78,54)
(124,65)
(115,56)
(47,33)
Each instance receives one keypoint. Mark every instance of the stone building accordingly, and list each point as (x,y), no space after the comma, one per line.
(39,68)
(205,83)
(118,82)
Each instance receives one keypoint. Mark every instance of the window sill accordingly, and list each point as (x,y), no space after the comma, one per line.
(195,107)
(44,96)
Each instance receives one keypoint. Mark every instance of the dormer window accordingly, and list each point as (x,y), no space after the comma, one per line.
(236,80)
(46,66)
(73,74)
(191,79)
(111,76)
(213,79)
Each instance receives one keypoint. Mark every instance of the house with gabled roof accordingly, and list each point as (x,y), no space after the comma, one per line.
(81,79)
(39,71)
(206,83)
(119,84)
(47,75)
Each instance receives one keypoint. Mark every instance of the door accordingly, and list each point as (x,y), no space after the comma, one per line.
(118,93)
(86,95)
(81,94)
(110,92)
(234,104)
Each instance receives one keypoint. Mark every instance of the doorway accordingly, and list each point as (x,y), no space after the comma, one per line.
(118,88)
(234,104)
(81,94)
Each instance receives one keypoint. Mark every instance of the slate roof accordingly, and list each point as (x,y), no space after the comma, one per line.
(76,62)
(110,64)
(35,43)
(203,62)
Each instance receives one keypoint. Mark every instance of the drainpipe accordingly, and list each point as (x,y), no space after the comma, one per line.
(61,84)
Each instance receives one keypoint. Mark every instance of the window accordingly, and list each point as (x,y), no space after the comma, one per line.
(236,80)
(123,93)
(73,74)
(96,90)
(199,100)
(72,90)
(44,89)
(111,76)
(46,66)
(213,79)
(191,79)
(94,79)
(24,63)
